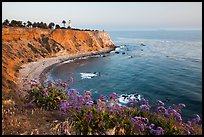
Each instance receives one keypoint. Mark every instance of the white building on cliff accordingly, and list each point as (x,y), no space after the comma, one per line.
(69,26)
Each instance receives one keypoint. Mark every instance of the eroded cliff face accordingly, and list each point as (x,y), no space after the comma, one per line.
(22,45)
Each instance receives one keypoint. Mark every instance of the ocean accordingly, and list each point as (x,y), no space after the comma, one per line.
(158,65)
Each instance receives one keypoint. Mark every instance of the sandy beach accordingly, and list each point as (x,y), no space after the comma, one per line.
(37,70)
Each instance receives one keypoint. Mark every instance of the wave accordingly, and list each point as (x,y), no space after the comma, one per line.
(88,75)
(125,98)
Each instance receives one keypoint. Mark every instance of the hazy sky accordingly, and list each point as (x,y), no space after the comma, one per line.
(109,15)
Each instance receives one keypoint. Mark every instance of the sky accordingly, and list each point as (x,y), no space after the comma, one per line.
(109,15)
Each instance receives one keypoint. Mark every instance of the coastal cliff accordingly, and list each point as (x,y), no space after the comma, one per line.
(23,45)
(38,48)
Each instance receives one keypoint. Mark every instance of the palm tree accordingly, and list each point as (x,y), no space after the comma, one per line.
(64,22)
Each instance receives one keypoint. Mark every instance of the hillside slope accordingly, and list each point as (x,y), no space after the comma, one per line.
(23,45)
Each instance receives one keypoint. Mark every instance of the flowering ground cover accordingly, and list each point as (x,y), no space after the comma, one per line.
(106,113)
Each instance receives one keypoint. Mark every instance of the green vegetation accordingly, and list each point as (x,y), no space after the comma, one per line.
(47,98)
(33,48)
(51,25)
(57,26)
(46,43)
(29,24)
(11,84)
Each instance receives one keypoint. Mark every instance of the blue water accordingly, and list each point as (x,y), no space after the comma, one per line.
(168,66)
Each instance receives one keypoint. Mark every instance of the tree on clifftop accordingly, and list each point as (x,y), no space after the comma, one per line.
(45,26)
(64,22)
(51,25)
(15,23)
(6,22)
(34,25)
(24,24)
(29,24)
(57,26)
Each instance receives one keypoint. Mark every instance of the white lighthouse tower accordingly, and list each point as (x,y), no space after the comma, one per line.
(69,24)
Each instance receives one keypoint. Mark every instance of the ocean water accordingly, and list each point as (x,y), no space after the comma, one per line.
(167,65)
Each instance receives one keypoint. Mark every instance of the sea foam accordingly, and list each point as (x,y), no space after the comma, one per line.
(124,98)
(88,75)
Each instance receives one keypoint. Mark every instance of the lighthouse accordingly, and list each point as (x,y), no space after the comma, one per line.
(69,24)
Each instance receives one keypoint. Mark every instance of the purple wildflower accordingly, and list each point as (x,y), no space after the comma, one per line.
(182,105)
(46,93)
(171,111)
(144,107)
(133,101)
(158,131)
(166,114)
(102,124)
(160,102)
(139,123)
(98,109)
(80,99)
(50,84)
(99,101)
(74,91)
(33,83)
(161,109)
(64,84)
(87,93)
(188,123)
(145,120)
(63,106)
(67,92)
(178,117)
(88,117)
(78,108)
(138,118)
(133,120)
(89,104)
(113,96)
(161,130)
(196,119)
(188,132)
(87,98)
(102,98)
(145,101)
(142,127)
(60,83)
(103,104)
(151,126)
